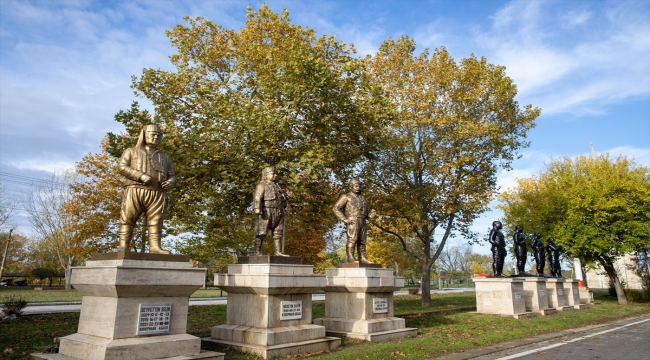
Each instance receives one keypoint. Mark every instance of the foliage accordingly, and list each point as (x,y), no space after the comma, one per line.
(13,304)
(480,263)
(596,208)
(272,93)
(7,206)
(44,273)
(17,252)
(455,260)
(454,125)
(57,228)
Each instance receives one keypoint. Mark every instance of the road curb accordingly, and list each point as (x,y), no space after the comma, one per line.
(476,352)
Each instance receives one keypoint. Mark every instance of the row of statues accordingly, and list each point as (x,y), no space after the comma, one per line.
(497,240)
(149,174)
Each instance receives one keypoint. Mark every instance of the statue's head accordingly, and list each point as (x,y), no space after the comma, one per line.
(537,235)
(269,173)
(519,228)
(497,225)
(551,240)
(355,185)
(151,135)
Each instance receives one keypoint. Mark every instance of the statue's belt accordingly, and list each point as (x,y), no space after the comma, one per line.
(155,185)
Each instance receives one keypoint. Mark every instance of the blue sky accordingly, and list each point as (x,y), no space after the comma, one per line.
(65,67)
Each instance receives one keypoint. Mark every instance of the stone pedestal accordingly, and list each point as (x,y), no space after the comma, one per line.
(501,296)
(359,304)
(586,296)
(269,310)
(120,292)
(573,296)
(535,296)
(557,294)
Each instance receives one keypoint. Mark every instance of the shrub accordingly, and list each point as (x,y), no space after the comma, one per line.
(637,296)
(13,304)
(414,291)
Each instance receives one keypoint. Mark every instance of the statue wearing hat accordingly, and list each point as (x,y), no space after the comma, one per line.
(149,174)
(352,209)
(269,203)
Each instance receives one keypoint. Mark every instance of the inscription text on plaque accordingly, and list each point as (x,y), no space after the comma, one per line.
(291,310)
(154,319)
(380,305)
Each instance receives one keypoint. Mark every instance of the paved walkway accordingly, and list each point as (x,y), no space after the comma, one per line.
(75,306)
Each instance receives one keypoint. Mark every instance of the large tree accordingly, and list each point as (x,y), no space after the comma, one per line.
(596,208)
(455,124)
(272,93)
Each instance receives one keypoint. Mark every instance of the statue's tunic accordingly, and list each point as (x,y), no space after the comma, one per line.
(540,259)
(139,197)
(521,250)
(353,206)
(270,200)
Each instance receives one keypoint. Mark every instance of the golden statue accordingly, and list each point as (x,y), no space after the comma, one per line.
(149,174)
(352,209)
(269,203)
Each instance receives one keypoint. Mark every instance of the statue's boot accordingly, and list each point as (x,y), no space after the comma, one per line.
(259,240)
(278,247)
(155,233)
(349,250)
(125,233)
(361,248)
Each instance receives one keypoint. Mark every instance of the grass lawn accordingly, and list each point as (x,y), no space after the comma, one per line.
(444,327)
(31,295)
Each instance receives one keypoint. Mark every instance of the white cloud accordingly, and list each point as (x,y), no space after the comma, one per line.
(563,71)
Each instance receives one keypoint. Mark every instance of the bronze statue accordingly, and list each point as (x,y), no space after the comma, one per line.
(269,203)
(352,209)
(521,250)
(149,174)
(497,240)
(553,258)
(540,258)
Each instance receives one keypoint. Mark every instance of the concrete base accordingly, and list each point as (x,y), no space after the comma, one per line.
(293,348)
(182,346)
(535,295)
(581,307)
(254,320)
(516,316)
(377,336)
(565,308)
(113,288)
(350,297)
(501,296)
(573,293)
(203,355)
(548,311)
(556,292)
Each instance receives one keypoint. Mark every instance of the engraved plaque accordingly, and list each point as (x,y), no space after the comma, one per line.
(542,293)
(575,291)
(517,295)
(560,292)
(380,305)
(154,319)
(291,310)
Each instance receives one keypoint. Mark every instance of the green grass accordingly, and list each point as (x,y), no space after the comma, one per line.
(445,327)
(32,295)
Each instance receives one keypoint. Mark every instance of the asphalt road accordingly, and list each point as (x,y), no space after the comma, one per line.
(625,339)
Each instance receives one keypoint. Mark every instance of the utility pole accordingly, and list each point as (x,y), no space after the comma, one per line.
(2,267)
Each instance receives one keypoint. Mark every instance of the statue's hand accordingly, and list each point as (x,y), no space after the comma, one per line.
(372,214)
(257,211)
(348,221)
(145,179)
(167,185)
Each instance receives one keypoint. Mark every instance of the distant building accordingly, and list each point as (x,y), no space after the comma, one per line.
(598,278)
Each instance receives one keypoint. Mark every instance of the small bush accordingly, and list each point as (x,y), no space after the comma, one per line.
(13,304)
(636,296)
(413,291)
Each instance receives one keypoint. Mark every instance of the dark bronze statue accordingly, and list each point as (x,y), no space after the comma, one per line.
(521,250)
(352,209)
(498,242)
(269,203)
(540,258)
(149,175)
(553,258)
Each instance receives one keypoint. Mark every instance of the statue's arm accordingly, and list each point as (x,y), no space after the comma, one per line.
(339,208)
(125,169)
(258,197)
(491,239)
(170,183)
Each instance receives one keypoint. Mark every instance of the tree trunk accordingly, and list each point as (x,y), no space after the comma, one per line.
(426,273)
(68,275)
(608,266)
